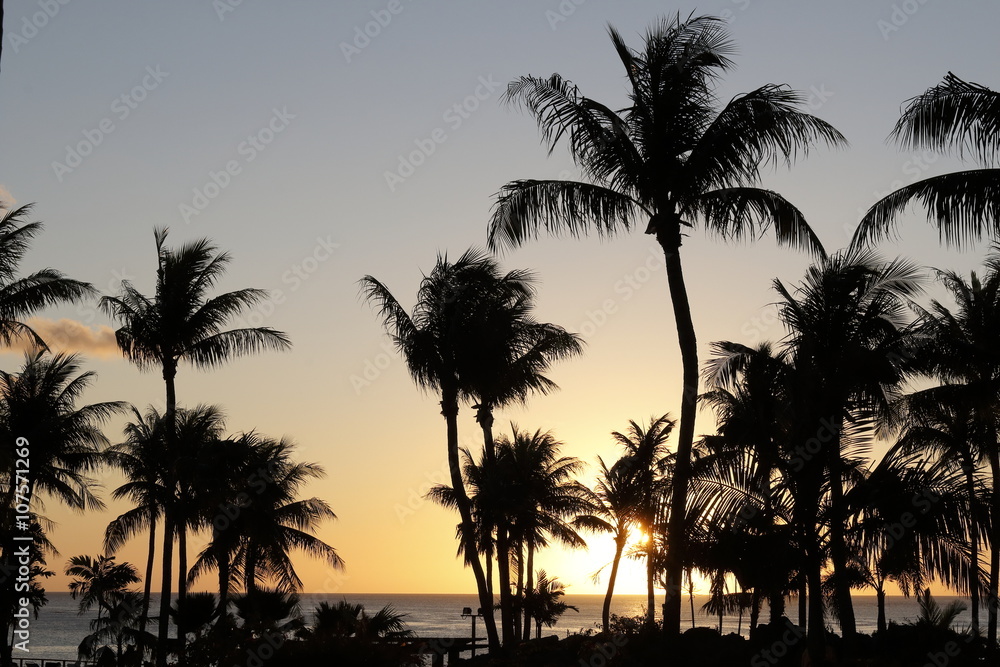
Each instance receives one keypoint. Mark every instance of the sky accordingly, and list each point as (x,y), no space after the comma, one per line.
(319,142)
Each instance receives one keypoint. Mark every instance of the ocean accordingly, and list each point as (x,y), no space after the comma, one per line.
(59,629)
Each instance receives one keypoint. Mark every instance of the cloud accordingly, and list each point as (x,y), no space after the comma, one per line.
(7,200)
(67,335)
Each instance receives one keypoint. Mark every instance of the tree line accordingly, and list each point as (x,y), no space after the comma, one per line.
(786,498)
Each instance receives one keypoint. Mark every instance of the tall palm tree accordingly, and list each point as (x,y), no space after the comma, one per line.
(182,322)
(439,342)
(749,390)
(651,466)
(616,506)
(849,345)
(963,119)
(960,347)
(20,297)
(39,404)
(144,459)
(544,501)
(512,353)
(524,497)
(675,156)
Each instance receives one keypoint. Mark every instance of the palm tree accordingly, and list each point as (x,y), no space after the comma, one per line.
(118,627)
(848,342)
(651,466)
(39,405)
(523,497)
(543,501)
(439,342)
(98,581)
(544,603)
(959,347)
(960,118)
(270,523)
(268,612)
(20,297)
(181,322)
(616,507)
(745,478)
(144,459)
(351,620)
(674,156)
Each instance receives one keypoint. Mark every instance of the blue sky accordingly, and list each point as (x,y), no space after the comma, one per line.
(271,128)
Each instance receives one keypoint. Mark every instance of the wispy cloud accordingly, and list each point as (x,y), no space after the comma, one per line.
(67,335)
(7,200)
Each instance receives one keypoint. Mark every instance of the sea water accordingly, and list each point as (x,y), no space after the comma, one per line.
(58,631)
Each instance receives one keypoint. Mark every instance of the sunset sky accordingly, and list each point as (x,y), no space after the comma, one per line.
(322,141)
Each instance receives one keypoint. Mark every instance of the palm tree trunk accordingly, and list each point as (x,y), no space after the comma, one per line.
(994,600)
(606,610)
(169,366)
(816,636)
(503,571)
(449,408)
(880,594)
(803,601)
(181,590)
(691,594)
(223,562)
(650,580)
(528,587)
(167,565)
(147,587)
(970,486)
(754,609)
(676,540)
(519,596)
(838,547)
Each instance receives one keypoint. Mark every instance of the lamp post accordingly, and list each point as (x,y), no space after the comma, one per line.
(467,613)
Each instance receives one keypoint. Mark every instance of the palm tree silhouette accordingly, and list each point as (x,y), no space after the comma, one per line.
(849,345)
(270,522)
(745,477)
(181,322)
(956,117)
(673,157)
(144,459)
(615,503)
(118,627)
(651,466)
(544,603)
(98,580)
(960,347)
(439,342)
(20,297)
(39,404)
(544,501)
